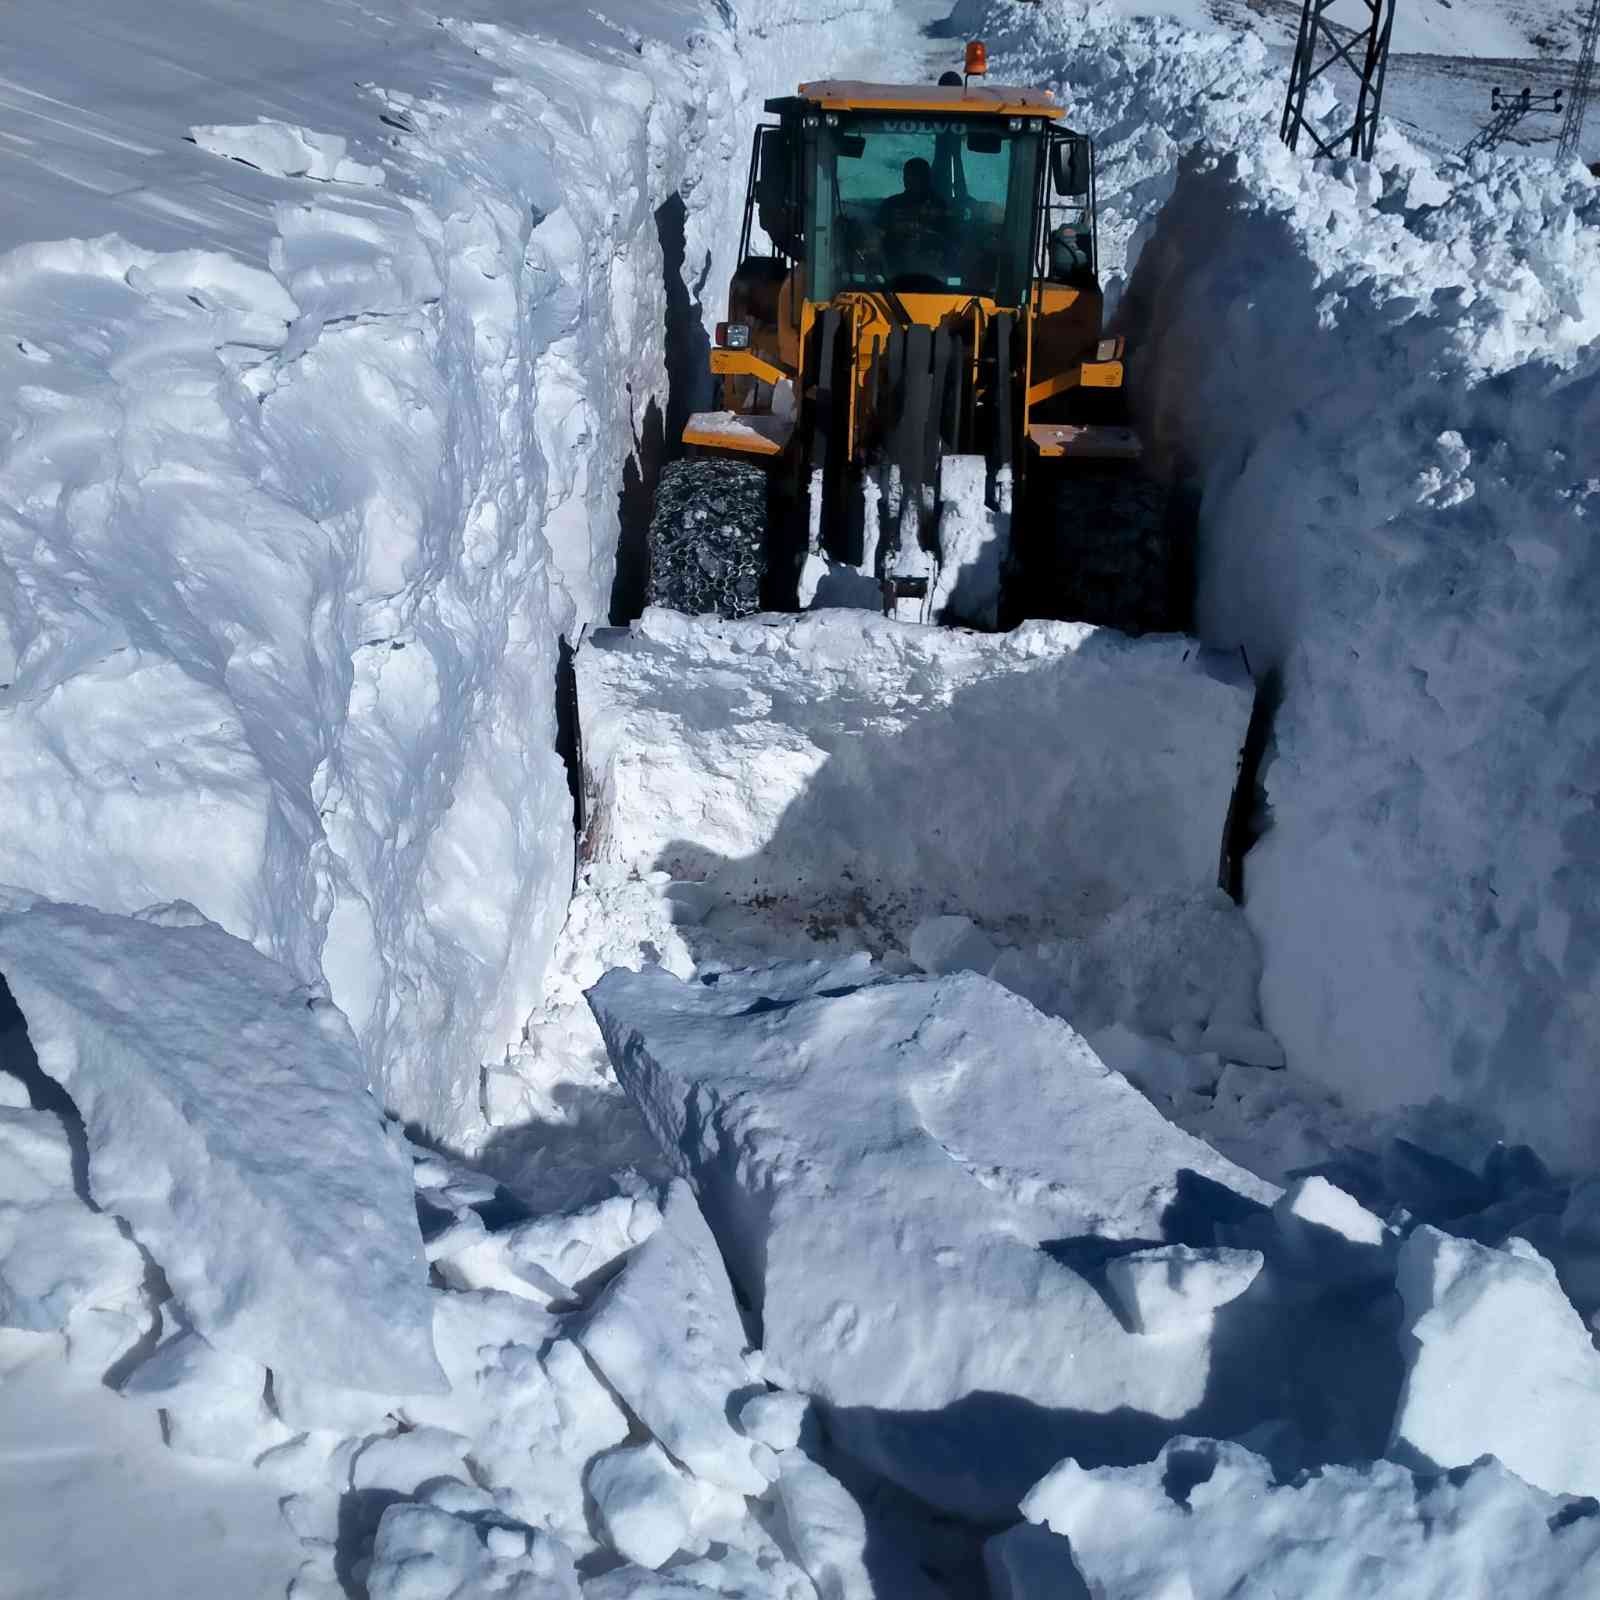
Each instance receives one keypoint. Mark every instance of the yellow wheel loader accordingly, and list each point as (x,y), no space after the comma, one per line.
(918,408)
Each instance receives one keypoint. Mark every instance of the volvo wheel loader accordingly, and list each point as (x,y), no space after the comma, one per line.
(918,406)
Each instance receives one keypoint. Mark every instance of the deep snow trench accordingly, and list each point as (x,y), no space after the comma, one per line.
(379,1215)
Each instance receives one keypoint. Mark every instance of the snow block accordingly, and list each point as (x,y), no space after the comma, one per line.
(643,1503)
(1328,1235)
(1031,1563)
(1176,1287)
(229,1124)
(422,1553)
(1212,1524)
(667,1336)
(917,770)
(1498,1363)
(885,1164)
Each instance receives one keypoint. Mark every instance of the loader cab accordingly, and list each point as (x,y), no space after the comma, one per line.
(921,204)
(949,194)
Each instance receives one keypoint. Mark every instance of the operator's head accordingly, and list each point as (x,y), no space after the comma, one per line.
(918,178)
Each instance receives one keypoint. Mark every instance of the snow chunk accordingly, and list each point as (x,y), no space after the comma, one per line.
(1497,1363)
(1328,1235)
(952,944)
(1176,1287)
(667,1336)
(56,1254)
(932,1134)
(1211,1523)
(547,1258)
(285,151)
(214,1403)
(643,1502)
(229,1123)
(826,1528)
(775,1418)
(422,1553)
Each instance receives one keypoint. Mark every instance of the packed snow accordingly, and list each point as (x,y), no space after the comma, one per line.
(881,1161)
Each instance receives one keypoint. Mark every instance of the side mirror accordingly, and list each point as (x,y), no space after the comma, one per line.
(777,205)
(1069,167)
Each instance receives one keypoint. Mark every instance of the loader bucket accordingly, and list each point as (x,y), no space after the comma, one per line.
(842,764)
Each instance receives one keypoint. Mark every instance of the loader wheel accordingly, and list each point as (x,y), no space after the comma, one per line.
(1109,548)
(708,538)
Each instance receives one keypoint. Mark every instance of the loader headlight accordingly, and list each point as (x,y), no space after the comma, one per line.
(1108,350)
(733,335)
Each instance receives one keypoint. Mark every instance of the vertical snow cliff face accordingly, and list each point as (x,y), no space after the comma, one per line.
(307,467)
(1383,379)
(1399,515)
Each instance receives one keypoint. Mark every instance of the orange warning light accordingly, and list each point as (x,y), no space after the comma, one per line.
(977,58)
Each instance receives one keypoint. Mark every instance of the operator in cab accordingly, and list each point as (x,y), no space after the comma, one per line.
(917,224)
(916,206)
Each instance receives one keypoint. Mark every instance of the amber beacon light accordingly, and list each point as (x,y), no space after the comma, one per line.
(977,59)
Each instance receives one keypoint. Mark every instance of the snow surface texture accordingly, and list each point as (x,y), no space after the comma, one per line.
(1385,380)
(352,352)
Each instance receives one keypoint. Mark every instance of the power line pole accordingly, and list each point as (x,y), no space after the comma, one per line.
(1582,81)
(1363,50)
(1505,112)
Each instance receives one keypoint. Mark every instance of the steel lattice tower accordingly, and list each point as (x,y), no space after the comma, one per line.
(1364,50)
(1582,80)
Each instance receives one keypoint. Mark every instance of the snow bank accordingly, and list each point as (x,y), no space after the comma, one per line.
(228,1123)
(1412,546)
(840,761)
(311,454)
(1211,1522)
(895,1172)
(1383,378)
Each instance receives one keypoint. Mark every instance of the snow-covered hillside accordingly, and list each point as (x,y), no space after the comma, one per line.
(874,1179)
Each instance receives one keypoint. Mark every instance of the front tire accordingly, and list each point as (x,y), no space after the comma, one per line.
(1105,545)
(708,537)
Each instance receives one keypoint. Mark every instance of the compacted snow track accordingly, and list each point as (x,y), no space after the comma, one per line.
(796,1211)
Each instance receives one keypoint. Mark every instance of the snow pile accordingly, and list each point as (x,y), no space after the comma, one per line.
(1211,1522)
(840,761)
(1383,378)
(618,1421)
(317,405)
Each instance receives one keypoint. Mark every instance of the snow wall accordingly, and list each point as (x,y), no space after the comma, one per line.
(307,465)
(1384,379)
